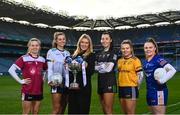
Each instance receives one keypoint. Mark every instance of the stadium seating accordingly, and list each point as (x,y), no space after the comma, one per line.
(5,63)
(14,37)
(20,32)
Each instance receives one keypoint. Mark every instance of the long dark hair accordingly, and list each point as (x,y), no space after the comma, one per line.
(110,35)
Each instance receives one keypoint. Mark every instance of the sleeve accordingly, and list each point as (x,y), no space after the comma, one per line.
(119,64)
(170,73)
(91,64)
(137,65)
(106,67)
(109,66)
(19,62)
(45,70)
(113,58)
(97,65)
(140,75)
(17,66)
(162,62)
(45,65)
(68,53)
(49,65)
(139,71)
(65,69)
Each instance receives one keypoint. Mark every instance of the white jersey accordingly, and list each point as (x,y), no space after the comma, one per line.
(56,59)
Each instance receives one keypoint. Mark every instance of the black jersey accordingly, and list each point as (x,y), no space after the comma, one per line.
(105,57)
(106,81)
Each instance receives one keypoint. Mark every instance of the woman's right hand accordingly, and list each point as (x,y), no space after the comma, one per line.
(51,83)
(26,81)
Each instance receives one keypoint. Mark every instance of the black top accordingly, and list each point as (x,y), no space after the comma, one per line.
(104,57)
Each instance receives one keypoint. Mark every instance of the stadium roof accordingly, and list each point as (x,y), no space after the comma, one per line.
(34,15)
(133,21)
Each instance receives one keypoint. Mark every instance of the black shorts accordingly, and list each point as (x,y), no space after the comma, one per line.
(59,89)
(107,84)
(128,92)
(29,97)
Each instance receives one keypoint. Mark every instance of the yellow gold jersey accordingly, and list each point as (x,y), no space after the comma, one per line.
(128,69)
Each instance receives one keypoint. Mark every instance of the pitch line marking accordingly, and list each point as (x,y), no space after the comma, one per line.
(172,105)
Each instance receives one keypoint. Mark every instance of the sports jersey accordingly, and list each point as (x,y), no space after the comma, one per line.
(32,68)
(128,69)
(56,59)
(149,67)
(107,81)
(104,57)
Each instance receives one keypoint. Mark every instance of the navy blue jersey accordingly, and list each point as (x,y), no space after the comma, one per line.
(149,67)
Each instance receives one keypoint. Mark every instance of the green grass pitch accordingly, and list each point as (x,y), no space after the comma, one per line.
(10,99)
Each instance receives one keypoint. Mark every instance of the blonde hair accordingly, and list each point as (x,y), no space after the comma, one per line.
(127,41)
(30,41)
(79,50)
(152,40)
(56,34)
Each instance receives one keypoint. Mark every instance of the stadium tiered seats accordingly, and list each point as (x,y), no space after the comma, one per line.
(17,35)
(20,32)
(5,63)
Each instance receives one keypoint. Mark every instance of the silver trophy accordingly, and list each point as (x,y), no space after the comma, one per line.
(74,67)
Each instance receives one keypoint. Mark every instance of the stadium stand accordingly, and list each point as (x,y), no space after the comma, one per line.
(14,38)
(14,35)
(4,64)
(15,31)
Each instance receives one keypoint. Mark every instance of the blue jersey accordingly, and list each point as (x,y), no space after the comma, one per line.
(149,67)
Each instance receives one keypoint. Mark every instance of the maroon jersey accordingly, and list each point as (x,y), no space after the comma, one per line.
(32,68)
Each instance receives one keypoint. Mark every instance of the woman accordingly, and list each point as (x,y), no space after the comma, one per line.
(32,66)
(157,92)
(130,77)
(105,64)
(80,99)
(55,60)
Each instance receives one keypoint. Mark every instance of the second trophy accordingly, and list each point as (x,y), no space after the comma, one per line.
(75,66)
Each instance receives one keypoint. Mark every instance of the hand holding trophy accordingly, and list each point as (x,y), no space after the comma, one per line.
(74,66)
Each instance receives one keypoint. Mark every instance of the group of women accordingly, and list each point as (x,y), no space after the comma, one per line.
(104,62)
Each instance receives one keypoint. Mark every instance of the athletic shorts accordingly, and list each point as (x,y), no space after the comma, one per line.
(128,92)
(29,97)
(59,89)
(107,84)
(155,97)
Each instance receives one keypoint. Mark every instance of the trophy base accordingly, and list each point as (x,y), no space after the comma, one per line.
(74,86)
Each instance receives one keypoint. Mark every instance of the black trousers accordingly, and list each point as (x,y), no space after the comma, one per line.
(79,101)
